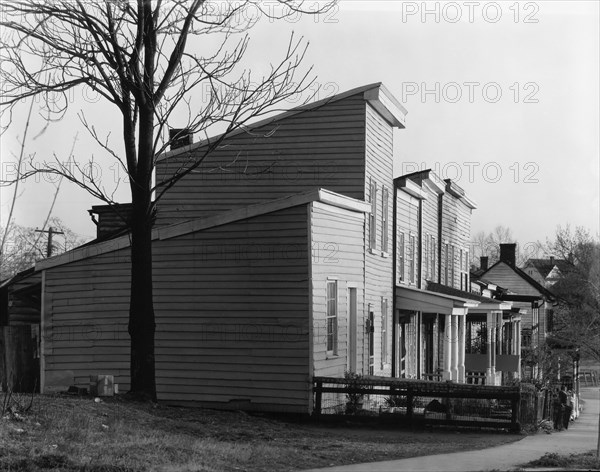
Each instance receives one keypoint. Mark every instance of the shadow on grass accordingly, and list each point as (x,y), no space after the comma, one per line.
(585,460)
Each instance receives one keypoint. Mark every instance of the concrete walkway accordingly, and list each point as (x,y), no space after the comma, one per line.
(581,436)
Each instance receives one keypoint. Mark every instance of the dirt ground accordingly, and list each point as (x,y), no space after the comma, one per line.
(77,434)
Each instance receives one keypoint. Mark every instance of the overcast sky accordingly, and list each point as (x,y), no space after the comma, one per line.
(501,97)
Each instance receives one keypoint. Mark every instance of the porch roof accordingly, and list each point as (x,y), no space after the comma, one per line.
(415,299)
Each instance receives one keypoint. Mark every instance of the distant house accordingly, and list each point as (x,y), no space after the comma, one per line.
(290,252)
(546,271)
(531,296)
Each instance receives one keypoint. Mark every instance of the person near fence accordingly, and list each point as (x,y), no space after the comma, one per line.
(557,409)
(568,408)
(560,408)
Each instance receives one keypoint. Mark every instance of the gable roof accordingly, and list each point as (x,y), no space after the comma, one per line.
(530,280)
(191,226)
(375,94)
(545,266)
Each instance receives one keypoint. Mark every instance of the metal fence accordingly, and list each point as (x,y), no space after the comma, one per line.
(415,402)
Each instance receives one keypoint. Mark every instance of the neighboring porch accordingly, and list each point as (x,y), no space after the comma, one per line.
(455,336)
(429,335)
(493,345)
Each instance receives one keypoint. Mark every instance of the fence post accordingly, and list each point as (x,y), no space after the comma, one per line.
(318,397)
(516,403)
(409,404)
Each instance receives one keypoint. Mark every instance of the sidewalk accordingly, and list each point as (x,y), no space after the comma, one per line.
(581,436)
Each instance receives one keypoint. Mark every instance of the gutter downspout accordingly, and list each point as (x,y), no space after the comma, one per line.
(394,269)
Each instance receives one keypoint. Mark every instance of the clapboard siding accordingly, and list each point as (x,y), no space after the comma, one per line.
(379,266)
(231,306)
(255,312)
(318,148)
(430,230)
(343,262)
(85,324)
(504,276)
(407,224)
(456,232)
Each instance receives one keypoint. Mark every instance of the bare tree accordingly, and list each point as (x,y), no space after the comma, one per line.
(576,320)
(146,58)
(25,246)
(488,244)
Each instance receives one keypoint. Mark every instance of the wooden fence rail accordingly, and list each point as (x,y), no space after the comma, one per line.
(424,402)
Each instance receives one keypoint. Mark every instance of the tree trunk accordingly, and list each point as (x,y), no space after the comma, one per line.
(141,309)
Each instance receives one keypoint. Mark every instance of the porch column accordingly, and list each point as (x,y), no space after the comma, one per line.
(462,329)
(490,348)
(454,341)
(447,374)
(518,353)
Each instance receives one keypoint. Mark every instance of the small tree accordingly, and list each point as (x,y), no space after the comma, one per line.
(146,59)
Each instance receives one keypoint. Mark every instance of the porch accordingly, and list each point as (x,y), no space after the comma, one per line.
(448,334)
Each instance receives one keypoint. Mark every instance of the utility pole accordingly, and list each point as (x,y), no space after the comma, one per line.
(51,231)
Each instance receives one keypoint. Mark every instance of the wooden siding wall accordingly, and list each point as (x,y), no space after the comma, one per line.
(86,306)
(407,223)
(321,148)
(504,276)
(431,229)
(378,266)
(232,314)
(456,231)
(231,307)
(337,241)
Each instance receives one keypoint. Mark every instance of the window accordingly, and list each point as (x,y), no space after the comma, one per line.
(426,258)
(384,323)
(433,259)
(373,216)
(462,271)
(401,256)
(411,262)
(446,263)
(452,264)
(332,312)
(384,219)
(467,270)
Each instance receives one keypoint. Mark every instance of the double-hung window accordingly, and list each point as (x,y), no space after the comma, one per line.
(384,219)
(373,216)
(433,259)
(401,257)
(412,254)
(332,316)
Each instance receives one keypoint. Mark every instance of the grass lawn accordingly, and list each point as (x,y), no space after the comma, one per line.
(77,434)
(583,461)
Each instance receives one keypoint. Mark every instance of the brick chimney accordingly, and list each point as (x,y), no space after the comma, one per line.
(483,262)
(508,253)
(180,137)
